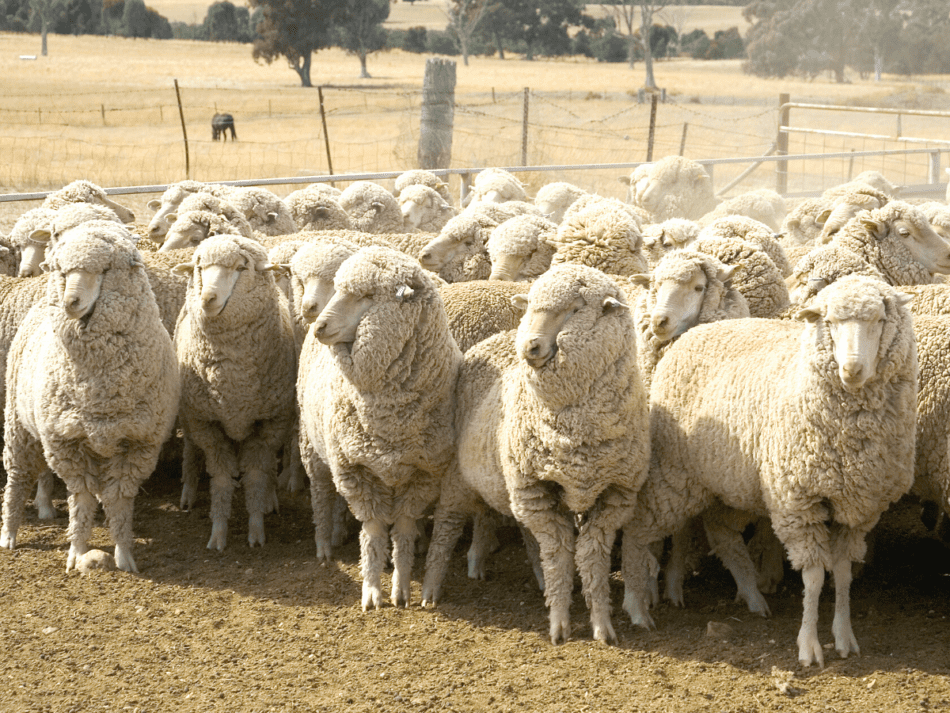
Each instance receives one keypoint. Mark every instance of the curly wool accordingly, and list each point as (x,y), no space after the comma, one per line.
(264,210)
(673,187)
(801,227)
(314,259)
(661,238)
(169,202)
(520,248)
(759,281)
(763,205)
(601,237)
(553,199)
(317,209)
(753,231)
(847,204)
(591,199)
(372,208)
(478,309)
(932,466)
(420,177)
(436,210)
(496,185)
(86,192)
(823,266)
(193,226)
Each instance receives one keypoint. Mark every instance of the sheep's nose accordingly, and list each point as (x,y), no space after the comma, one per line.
(426,255)
(661,322)
(534,349)
(320,328)
(852,372)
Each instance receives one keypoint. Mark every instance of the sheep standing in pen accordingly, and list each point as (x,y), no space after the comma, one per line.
(821,267)
(672,234)
(376,396)
(191,227)
(317,208)
(168,203)
(812,424)
(264,210)
(32,245)
(478,309)
(372,208)
(673,187)
(759,281)
(802,227)
(86,192)
(421,177)
(553,430)
(520,248)
(602,237)
(764,206)
(424,209)
(92,388)
(496,185)
(741,227)
(847,205)
(553,199)
(235,349)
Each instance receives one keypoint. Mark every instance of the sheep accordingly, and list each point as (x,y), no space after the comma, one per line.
(818,432)
(26,224)
(266,213)
(519,249)
(169,202)
(899,242)
(846,205)
(375,392)
(458,253)
(86,192)
(821,267)
(478,309)
(312,270)
(92,387)
(553,199)
(236,355)
(496,185)
(802,226)
(639,216)
(661,238)
(8,257)
(424,209)
(189,228)
(318,209)
(763,205)
(553,430)
(600,236)
(686,288)
(372,208)
(938,215)
(420,177)
(281,255)
(872,179)
(744,228)
(760,281)
(673,187)
(33,248)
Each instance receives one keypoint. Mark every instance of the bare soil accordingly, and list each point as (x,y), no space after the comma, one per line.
(268,629)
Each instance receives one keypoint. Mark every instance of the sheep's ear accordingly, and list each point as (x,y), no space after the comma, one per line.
(903,298)
(404,292)
(45,266)
(41,235)
(272,216)
(321,212)
(185,268)
(154,204)
(727,272)
(520,302)
(171,218)
(822,217)
(874,227)
(643,280)
(778,236)
(135,260)
(377,206)
(807,314)
(612,305)
(280,270)
(625,180)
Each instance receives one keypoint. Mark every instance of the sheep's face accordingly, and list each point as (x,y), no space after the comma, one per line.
(186,232)
(536,341)
(339,320)
(915,233)
(317,292)
(161,221)
(81,292)
(506,266)
(124,214)
(218,282)
(31,256)
(450,246)
(678,298)
(412,213)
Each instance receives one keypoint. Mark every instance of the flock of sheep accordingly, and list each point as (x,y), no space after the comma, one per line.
(665,366)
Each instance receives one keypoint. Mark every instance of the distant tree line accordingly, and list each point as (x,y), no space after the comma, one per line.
(128,18)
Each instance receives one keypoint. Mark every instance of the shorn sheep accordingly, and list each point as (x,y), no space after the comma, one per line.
(375,392)
(552,430)
(236,354)
(92,388)
(812,424)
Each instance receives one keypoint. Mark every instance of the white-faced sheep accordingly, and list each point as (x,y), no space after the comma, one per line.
(520,248)
(802,226)
(236,354)
(33,248)
(424,209)
(753,231)
(812,424)
(673,187)
(86,192)
(318,209)
(553,199)
(421,177)
(821,267)
(459,252)
(92,387)
(376,396)
(191,227)
(661,238)
(552,430)
(372,208)
(264,210)
(759,281)
(873,179)
(763,205)
(496,185)
(169,202)
(845,206)
(602,237)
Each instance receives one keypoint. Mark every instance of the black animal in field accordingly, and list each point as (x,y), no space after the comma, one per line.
(220,123)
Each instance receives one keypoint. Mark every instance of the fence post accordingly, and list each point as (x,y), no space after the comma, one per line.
(781,142)
(524,130)
(438,114)
(326,136)
(465,187)
(683,140)
(933,172)
(653,101)
(102,108)
(184,132)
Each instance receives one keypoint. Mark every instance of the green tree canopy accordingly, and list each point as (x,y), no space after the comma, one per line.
(294,30)
(360,29)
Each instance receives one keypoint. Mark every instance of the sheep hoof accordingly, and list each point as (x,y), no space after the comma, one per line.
(324,550)
(46,512)
(809,650)
(372,597)
(7,540)
(188,495)
(255,530)
(605,632)
(219,536)
(75,552)
(124,561)
(639,616)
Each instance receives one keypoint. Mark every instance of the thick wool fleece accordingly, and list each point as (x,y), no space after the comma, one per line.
(673,187)
(661,238)
(497,185)
(480,308)
(561,443)
(519,248)
(553,199)
(932,471)
(314,259)
(720,301)
(379,412)
(372,208)
(801,227)
(754,413)
(847,205)
(759,281)
(168,203)
(821,267)
(93,397)
(743,228)
(237,382)
(763,206)
(601,237)
(438,211)
(418,176)
(932,300)
(316,209)
(86,192)
(463,239)
(264,210)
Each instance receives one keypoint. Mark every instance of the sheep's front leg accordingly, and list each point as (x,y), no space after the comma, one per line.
(450,516)
(22,456)
(190,472)
(404,533)
(322,497)
(640,570)
(809,648)
(374,541)
(222,465)
(848,544)
(82,513)
(258,465)
(484,541)
(724,530)
(555,536)
(44,495)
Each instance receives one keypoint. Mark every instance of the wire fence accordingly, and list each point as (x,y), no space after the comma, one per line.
(136,138)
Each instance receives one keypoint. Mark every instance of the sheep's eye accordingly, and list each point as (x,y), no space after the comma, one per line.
(904,232)
(700,288)
(241,268)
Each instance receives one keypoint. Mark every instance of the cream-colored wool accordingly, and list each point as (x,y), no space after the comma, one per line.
(802,226)
(661,238)
(86,192)
(424,209)
(638,214)
(169,202)
(420,177)
(673,187)
(520,248)
(759,281)
(377,411)
(822,266)
(477,309)
(372,208)
(763,205)
(758,414)
(847,204)
(235,347)
(312,271)
(193,226)
(315,208)
(92,387)
(553,199)
(602,237)
(264,210)
(553,430)
(873,179)
(753,231)
(496,185)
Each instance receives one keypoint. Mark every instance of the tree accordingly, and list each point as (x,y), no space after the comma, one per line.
(135,19)
(463,17)
(360,30)
(625,14)
(47,11)
(295,29)
(226,22)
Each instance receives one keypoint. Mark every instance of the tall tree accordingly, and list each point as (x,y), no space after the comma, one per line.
(226,22)
(626,14)
(295,29)
(47,11)
(463,17)
(135,19)
(360,30)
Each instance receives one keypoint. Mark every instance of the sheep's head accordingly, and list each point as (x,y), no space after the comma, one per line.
(908,226)
(313,270)
(416,202)
(821,267)
(461,237)
(223,266)
(518,248)
(857,314)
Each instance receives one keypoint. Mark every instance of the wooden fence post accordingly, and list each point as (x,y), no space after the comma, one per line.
(326,136)
(781,142)
(184,132)
(653,102)
(438,114)
(683,140)
(524,130)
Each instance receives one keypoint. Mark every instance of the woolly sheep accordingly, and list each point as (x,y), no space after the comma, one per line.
(191,227)
(169,202)
(372,208)
(236,355)
(753,231)
(552,430)
(478,309)
(899,242)
(459,252)
(92,388)
(496,185)
(821,267)
(312,270)
(266,213)
(673,187)
(86,192)
(845,206)
(376,398)
(33,248)
(639,216)
(519,248)
(938,215)
(420,177)
(424,209)
(686,288)
(760,281)
(28,222)
(318,209)
(802,226)
(818,429)
(661,238)
(553,199)
(601,237)
(873,179)
(763,205)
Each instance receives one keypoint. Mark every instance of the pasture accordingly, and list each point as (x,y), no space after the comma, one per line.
(270,630)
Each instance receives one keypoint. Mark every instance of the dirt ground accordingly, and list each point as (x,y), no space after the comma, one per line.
(268,629)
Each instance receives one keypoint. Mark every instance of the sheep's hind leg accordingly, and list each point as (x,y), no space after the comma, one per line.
(258,464)
(119,512)
(809,648)
(82,513)
(374,538)
(404,533)
(724,530)
(484,541)
(44,495)
(450,517)
(22,456)
(322,498)
(222,465)
(190,471)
